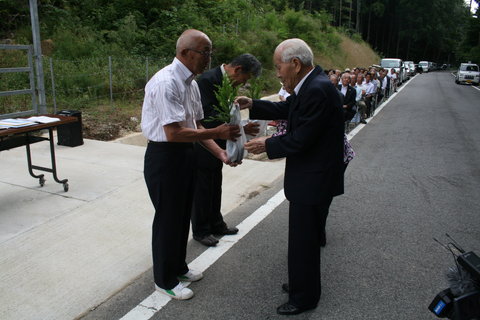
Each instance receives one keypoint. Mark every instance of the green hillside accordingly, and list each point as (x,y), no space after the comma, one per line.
(139,36)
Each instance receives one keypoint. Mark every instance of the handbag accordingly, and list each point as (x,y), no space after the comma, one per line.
(348,152)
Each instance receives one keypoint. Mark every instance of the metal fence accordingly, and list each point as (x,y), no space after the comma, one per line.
(98,81)
(12,111)
(80,84)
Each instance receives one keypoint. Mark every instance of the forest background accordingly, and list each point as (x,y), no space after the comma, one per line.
(139,36)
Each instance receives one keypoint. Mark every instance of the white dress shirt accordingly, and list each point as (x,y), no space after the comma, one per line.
(283,93)
(384,83)
(370,88)
(171,96)
(360,88)
(299,85)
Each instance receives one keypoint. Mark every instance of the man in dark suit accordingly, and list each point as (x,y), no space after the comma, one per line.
(349,95)
(313,146)
(207,219)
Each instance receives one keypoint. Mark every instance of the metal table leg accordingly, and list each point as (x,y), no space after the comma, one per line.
(53,170)
(40,177)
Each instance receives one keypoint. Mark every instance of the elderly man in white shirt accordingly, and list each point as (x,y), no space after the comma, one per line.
(171,115)
(361,88)
(384,82)
(393,79)
(370,94)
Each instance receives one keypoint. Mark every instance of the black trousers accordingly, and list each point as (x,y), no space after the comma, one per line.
(306,227)
(206,213)
(368,102)
(169,175)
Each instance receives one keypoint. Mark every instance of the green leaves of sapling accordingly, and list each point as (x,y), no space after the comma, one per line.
(225,94)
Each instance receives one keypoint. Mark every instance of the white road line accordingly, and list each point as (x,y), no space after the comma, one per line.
(156,301)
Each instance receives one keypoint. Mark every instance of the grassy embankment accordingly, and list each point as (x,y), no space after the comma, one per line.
(82,84)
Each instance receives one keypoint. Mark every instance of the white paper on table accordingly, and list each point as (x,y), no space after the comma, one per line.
(15,123)
(43,119)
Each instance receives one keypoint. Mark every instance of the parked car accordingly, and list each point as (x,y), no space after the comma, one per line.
(468,73)
(406,70)
(425,65)
(418,68)
(397,64)
(411,67)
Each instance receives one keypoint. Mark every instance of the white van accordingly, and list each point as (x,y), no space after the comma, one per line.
(412,68)
(468,73)
(424,65)
(397,64)
(406,70)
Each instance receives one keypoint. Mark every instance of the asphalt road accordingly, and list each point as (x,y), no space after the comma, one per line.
(416,176)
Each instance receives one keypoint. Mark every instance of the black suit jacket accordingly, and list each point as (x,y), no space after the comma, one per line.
(313,144)
(207,83)
(349,101)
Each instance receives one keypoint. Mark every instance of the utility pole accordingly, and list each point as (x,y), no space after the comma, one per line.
(357,22)
(340,14)
(37,53)
(350,15)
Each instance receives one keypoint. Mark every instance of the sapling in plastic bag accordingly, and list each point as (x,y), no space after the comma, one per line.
(235,150)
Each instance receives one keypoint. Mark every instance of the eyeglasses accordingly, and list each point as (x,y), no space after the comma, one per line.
(205,53)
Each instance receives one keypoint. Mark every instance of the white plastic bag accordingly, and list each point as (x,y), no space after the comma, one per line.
(262,129)
(235,150)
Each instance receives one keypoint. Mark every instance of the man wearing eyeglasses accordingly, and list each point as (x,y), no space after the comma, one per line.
(171,115)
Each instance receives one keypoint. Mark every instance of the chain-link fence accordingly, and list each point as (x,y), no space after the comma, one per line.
(107,90)
(84,83)
(100,81)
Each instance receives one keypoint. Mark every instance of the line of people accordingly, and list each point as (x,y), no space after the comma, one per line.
(363,90)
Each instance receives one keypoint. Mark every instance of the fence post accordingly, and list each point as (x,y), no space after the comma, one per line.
(110,75)
(37,49)
(146,72)
(53,87)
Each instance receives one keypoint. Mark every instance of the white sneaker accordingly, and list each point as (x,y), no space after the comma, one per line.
(191,276)
(180,292)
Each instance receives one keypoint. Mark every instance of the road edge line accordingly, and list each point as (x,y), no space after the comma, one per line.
(156,301)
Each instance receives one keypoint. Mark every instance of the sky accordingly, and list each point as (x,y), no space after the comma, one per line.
(474,5)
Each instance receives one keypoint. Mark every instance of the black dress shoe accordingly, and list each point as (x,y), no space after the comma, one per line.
(207,240)
(288,309)
(225,231)
(285,288)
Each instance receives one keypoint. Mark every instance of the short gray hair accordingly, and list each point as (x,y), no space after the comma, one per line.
(296,48)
